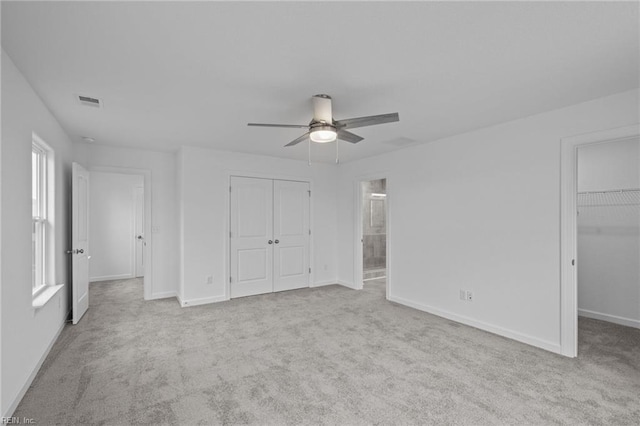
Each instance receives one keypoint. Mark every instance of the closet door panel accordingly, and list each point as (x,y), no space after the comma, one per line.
(251,220)
(291,231)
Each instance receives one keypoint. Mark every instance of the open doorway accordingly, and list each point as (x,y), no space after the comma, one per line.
(373,211)
(608,241)
(117,241)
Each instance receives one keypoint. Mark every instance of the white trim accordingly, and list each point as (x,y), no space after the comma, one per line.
(32,376)
(373,279)
(48,178)
(323,283)
(272,176)
(148,219)
(110,278)
(163,295)
(45,295)
(511,334)
(568,228)
(629,322)
(201,301)
(349,285)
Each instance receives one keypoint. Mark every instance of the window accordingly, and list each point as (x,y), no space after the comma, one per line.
(41,177)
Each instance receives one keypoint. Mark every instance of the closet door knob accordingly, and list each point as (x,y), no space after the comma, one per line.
(271,241)
(277,241)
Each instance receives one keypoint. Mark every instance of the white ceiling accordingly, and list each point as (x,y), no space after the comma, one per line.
(174,73)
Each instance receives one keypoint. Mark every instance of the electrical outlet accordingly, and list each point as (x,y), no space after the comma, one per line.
(470,296)
(463,295)
(210,279)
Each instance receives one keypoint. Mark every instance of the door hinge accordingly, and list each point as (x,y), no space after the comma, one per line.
(309,191)
(229,234)
(309,270)
(309,231)
(229,189)
(230,279)
(573,262)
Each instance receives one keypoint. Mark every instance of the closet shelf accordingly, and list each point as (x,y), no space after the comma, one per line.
(609,198)
(611,191)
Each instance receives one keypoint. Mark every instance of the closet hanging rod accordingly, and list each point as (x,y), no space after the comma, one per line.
(610,191)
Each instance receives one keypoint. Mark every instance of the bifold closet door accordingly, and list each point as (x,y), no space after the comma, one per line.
(251,236)
(291,235)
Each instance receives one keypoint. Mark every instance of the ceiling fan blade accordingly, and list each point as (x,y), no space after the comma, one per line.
(289,126)
(298,140)
(322,108)
(349,137)
(371,120)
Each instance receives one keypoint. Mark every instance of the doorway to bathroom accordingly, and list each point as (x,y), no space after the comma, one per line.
(373,194)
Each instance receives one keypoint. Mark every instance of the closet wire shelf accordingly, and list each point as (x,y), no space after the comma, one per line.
(610,198)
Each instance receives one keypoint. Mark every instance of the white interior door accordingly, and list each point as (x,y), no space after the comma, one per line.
(291,235)
(251,238)
(138,219)
(80,241)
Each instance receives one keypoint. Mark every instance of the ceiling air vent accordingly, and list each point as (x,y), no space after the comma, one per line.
(89,101)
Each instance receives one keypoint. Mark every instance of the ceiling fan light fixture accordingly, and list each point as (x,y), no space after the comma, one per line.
(323,134)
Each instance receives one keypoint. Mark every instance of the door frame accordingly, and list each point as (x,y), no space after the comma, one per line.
(148,253)
(227,244)
(569,227)
(358,263)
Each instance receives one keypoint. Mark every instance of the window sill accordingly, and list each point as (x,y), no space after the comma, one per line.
(45,295)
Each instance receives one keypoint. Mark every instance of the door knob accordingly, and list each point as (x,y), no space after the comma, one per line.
(271,241)
(277,241)
(139,237)
(71,252)
(80,251)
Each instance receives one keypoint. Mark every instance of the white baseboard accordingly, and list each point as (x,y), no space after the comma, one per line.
(609,318)
(163,295)
(511,334)
(348,284)
(110,278)
(201,301)
(323,283)
(33,374)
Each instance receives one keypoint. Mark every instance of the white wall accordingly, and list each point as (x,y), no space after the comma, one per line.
(204,189)
(608,232)
(26,333)
(164,239)
(112,225)
(480,211)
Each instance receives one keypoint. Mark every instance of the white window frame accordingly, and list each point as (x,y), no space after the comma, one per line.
(42,262)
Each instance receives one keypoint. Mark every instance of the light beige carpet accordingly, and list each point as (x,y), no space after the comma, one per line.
(328,355)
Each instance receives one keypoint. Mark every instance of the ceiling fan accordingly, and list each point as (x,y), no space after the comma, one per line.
(323,128)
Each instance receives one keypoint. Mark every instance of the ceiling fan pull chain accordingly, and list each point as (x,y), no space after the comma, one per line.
(337,153)
(309,151)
